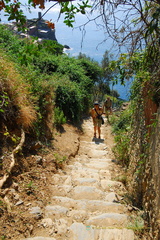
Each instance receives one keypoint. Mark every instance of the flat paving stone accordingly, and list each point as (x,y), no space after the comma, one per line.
(108,184)
(87,192)
(104,207)
(97,165)
(56,210)
(90,205)
(77,215)
(94,153)
(85,181)
(70,203)
(35,210)
(86,173)
(108,220)
(87,232)
(111,197)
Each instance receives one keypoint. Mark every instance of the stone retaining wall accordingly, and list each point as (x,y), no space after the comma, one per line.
(144,174)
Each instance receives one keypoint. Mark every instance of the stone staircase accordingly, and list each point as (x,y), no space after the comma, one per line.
(85,203)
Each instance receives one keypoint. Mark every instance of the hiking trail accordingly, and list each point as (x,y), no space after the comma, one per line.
(85,203)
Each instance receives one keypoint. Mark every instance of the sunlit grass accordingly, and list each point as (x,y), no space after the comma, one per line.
(16,92)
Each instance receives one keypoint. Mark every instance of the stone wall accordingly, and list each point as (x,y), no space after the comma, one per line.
(144,171)
(151,198)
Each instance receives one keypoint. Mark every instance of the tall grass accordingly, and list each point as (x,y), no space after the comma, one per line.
(14,95)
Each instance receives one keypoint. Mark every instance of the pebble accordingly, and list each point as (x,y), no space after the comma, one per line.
(19,203)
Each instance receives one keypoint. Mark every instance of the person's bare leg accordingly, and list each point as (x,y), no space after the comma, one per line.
(99,132)
(95,128)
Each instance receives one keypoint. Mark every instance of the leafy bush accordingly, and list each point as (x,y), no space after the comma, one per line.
(91,68)
(121,150)
(121,128)
(52,47)
(59,117)
(46,63)
(69,99)
(52,79)
(124,121)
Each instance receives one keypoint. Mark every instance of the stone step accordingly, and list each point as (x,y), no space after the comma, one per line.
(105,207)
(112,197)
(78,192)
(109,185)
(80,231)
(112,220)
(90,206)
(87,192)
(99,154)
(86,182)
(86,173)
(103,160)
(97,165)
(56,211)
(85,160)
(83,148)
(69,202)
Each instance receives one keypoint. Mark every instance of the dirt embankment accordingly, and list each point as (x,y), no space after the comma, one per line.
(30,181)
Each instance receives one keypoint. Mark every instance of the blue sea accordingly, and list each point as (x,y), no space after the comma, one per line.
(90,40)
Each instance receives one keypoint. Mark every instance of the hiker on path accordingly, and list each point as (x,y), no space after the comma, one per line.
(96,114)
(107,107)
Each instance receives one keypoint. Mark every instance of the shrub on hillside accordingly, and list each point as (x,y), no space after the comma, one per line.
(52,47)
(46,64)
(121,128)
(59,118)
(68,99)
(68,81)
(91,68)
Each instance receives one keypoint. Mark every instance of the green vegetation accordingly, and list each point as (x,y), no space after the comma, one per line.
(57,87)
(121,128)
(3,237)
(59,160)
(14,95)
(59,117)
(30,188)
(136,224)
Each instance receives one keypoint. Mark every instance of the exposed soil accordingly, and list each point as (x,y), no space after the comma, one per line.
(30,182)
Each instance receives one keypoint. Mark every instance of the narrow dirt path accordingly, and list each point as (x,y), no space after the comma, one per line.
(84,205)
